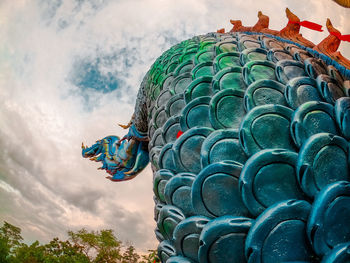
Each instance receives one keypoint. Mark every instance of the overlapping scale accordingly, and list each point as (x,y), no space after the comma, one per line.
(330,88)
(180,83)
(179,259)
(166,250)
(200,87)
(177,192)
(276,54)
(215,191)
(228,78)
(342,115)
(186,236)
(268,177)
(248,42)
(257,70)
(183,67)
(187,149)
(170,129)
(226,109)
(169,217)
(222,145)
(289,69)
(324,229)
(226,46)
(270,43)
(323,159)
(261,125)
(311,118)
(338,254)
(315,67)
(298,53)
(300,90)
(251,54)
(222,240)
(279,234)
(196,114)
(227,59)
(263,92)
(175,105)
(166,159)
(204,69)
(161,177)
(249,141)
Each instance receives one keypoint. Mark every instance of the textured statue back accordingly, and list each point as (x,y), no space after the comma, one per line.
(247,133)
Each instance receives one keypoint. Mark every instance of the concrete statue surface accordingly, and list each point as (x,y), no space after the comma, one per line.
(247,133)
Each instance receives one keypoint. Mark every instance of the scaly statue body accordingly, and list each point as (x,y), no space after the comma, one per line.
(248,136)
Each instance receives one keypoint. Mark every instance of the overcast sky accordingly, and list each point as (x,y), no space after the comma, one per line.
(69,72)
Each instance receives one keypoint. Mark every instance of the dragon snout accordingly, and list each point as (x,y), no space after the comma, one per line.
(91,152)
(122,158)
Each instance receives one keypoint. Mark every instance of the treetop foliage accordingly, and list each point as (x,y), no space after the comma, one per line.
(82,246)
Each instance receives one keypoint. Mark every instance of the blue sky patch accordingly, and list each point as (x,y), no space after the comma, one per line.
(87,75)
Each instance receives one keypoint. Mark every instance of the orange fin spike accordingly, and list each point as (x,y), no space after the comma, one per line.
(221,30)
(262,23)
(237,25)
(291,30)
(344,3)
(330,44)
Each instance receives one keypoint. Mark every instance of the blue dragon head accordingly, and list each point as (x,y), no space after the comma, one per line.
(122,158)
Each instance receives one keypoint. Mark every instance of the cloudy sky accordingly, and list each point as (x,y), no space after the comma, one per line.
(69,72)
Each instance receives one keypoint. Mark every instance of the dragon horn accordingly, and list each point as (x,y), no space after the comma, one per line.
(129,124)
(83,146)
(124,126)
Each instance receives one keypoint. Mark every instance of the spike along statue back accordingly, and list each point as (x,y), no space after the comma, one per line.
(248,136)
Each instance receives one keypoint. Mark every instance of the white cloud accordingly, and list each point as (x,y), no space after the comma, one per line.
(8,188)
(47,187)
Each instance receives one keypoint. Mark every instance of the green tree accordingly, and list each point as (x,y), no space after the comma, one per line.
(82,247)
(56,251)
(64,251)
(130,255)
(11,233)
(28,254)
(99,246)
(13,250)
(4,249)
(10,239)
(151,257)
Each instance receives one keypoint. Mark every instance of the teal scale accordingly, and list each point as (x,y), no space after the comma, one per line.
(249,143)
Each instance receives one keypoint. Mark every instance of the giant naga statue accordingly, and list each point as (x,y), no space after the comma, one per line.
(247,133)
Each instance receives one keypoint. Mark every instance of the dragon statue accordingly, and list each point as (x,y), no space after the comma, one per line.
(247,133)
